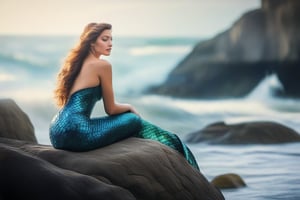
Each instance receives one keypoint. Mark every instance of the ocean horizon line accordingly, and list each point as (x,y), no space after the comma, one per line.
(117,36)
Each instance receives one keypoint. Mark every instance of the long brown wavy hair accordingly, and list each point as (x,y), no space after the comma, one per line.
(74,60)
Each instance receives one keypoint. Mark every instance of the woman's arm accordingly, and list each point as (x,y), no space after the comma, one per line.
(110,106)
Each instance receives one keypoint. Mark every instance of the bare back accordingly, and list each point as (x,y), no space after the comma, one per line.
(88,76)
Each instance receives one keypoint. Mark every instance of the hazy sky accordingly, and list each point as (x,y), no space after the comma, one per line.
(128,17)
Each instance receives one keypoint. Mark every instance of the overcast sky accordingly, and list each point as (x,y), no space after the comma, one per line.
(199,18)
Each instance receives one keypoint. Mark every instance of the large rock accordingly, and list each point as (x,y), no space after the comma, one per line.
(23,176)
(213,80)
(244,133)
(14,123)
(131,169)
(231,64)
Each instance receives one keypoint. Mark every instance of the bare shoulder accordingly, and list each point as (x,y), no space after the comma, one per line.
(101,68)
(101,64)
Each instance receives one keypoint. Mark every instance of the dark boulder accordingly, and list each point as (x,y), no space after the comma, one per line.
(23,176)
(214,79)
(130,169)
(14,123)
(244,133)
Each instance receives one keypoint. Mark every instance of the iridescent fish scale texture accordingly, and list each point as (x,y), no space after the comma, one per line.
(150,131)
(72,128)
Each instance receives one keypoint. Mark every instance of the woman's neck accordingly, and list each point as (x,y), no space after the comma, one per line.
(93,56)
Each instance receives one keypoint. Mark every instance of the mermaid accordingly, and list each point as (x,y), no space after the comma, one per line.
(86,78)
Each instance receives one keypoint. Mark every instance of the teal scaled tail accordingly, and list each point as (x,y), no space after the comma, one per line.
(150,131)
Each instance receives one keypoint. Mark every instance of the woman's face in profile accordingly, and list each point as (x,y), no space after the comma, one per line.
(103,44)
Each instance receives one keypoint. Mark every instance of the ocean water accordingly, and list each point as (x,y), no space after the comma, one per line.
(28,68)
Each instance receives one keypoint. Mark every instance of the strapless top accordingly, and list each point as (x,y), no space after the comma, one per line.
(83,100)
(72,128)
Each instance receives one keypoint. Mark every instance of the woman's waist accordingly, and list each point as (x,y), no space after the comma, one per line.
(70,117)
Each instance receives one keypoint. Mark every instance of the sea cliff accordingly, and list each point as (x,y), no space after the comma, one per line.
(231,64)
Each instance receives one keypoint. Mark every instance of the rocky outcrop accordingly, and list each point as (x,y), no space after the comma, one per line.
(24,176)
(212,80)
(14,122)
(244,133)
(231,64)
(130,169)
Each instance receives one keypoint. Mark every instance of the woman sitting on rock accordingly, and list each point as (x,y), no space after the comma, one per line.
(84,79)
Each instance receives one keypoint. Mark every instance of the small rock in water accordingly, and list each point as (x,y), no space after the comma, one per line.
(227,181)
